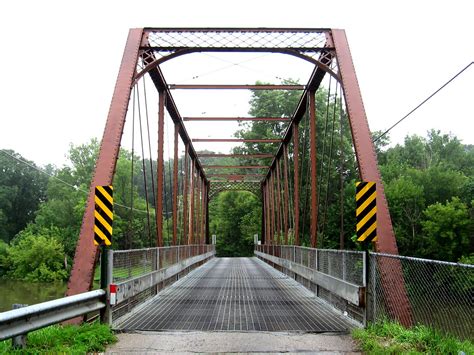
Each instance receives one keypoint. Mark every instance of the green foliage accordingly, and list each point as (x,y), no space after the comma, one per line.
(70,339)
(392,338)
(22,189)
(37,256)
(423,178)
(4,260)
(235,217)
(447,229)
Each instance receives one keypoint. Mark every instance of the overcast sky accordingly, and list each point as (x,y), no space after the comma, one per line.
(59,61)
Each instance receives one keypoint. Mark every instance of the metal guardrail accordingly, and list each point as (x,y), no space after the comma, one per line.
(346,290)
(336,276)
(139,274)
(23,320)
(133,287)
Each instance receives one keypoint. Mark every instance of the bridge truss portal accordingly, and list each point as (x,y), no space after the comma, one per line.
(277,176)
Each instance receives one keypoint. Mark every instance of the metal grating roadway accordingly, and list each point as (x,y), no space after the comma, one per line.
(236,294)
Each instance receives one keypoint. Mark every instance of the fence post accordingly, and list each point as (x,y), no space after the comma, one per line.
(365,277)
(104,279)
(374,287)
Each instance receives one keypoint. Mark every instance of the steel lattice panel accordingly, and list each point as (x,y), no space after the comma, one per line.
(236,294)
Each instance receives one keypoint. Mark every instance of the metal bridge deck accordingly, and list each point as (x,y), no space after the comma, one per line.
(236,294)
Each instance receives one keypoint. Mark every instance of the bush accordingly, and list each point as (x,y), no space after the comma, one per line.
(37,256)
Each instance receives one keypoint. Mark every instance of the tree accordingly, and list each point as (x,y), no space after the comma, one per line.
(447,229)
(37,256)
(22,189)
(235,218)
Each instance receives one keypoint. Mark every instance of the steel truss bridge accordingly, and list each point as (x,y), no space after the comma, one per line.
(285,286)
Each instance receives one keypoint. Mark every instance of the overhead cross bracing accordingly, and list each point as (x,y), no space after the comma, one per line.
(236,294)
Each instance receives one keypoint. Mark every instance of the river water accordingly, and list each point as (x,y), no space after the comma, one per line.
(13,291)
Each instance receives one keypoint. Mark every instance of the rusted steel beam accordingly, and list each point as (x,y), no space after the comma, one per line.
(272,209)
(286,191)
(263,229)
(185,193)
(160,168)
(278,201)
(203,211)
(248,156)
(392,275)
(223,140)
(208,187)
(269,219)
(82,273)
(235,87)
(235,176)
(296,188)
(236,29)
(175,185)
(312,153)
(197,237)
(191,208)
(235,166)
(271,119)
(236,180)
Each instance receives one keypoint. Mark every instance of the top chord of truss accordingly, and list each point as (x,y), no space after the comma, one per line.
(237,38)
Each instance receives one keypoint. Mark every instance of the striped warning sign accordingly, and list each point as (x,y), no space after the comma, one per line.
(366,211)
(104,215)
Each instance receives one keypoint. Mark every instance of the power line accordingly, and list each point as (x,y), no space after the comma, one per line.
(55,177)
(424,101)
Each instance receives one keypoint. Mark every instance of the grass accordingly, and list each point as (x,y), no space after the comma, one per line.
(86,338)
(392,338)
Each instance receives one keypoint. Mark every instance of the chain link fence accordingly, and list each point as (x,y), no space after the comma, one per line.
(133,263)
(342,264)
(441,294)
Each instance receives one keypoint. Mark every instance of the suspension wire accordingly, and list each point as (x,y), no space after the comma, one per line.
(341,174)
(423,102)
(306,191)
(180,201)
(77,188)
(144,166)
(291,211)
(168,201)
(329,164)
(231,64)
(152,169)
(130,223)
(323,155)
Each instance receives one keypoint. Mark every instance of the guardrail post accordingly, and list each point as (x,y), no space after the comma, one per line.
(19,342)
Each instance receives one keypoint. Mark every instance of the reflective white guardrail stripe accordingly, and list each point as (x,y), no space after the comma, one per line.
(24,320)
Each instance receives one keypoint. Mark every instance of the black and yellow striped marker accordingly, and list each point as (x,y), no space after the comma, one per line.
(104,215)
(366,211)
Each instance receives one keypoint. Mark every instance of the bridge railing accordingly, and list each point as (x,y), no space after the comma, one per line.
(139,274)
(337,276)
(441,294)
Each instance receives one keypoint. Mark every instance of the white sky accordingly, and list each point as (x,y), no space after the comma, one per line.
(59,61)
